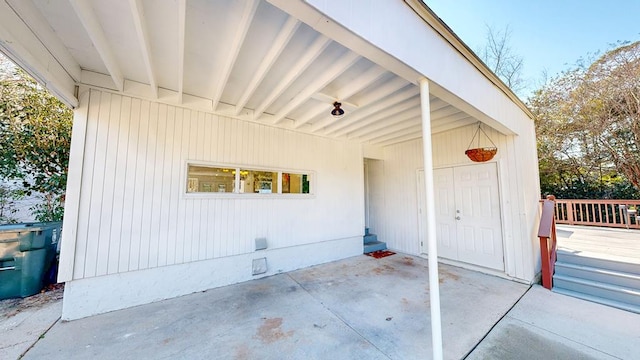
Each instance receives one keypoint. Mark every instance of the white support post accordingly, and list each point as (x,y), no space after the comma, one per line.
(434,287)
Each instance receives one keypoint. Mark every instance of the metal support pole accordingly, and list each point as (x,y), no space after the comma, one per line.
(434,285)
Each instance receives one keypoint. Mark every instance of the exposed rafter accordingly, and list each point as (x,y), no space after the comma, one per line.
(376,107)
(140,24)
(337,68)
(182,25)
(408,123)
(449,125)
(276,49)
(90,22)
(378,94)
(304,61)
(400,138)
(382,125)
(364,80)
(402,131)
(237,40)
(384,114)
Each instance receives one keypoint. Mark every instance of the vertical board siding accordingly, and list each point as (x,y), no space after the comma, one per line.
(400,215)
(133,213)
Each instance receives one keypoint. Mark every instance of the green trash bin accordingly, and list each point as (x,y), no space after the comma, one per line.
(27,251)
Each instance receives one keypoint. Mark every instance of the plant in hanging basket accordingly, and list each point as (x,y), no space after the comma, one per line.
(481,154)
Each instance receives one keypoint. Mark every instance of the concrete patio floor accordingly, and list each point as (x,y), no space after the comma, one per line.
(358,308)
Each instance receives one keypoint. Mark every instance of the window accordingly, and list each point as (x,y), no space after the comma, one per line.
(239,180)
(257,181)
(295,183)
(210,179)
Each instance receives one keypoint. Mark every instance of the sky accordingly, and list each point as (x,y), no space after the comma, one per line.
(550,35)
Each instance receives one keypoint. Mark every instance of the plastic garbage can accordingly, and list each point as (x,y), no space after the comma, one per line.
(27,251)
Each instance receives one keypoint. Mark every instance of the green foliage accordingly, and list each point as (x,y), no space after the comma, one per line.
(35,135)
(8,198)
(588,128)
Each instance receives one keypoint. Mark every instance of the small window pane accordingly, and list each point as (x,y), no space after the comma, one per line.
(295,183)
(210,179)
(255,181)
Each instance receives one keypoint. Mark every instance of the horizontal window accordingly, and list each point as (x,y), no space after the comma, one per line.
(241,180)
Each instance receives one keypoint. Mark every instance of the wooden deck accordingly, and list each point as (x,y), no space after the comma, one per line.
(605,243)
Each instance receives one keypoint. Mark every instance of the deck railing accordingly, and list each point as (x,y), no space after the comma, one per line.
(547,236)
(606,213)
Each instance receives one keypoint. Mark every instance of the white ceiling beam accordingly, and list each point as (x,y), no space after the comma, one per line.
(270,58)
(41,28)
(437,104)
(401,131)
(454,117)
(391,129)
(375,107)
(382,115)
(444,112)
(450,125)
(182,26)
(140,24)
(379,93)
(356,85)
(296,70)
(365,131)
(335,70)
(90,23)
(399,139)
(237,40)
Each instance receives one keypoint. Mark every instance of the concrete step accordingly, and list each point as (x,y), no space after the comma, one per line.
(370,238)
(606,276)
(591,261)
(599,300)
(598,289)
(374,246)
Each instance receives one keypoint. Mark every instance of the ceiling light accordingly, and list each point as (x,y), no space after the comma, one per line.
(337,112)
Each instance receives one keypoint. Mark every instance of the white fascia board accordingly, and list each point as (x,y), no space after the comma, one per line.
(23,47)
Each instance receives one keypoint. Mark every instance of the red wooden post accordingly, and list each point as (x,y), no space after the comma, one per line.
(547,236)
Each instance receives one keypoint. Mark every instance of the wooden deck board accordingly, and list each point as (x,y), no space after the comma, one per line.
(604,243)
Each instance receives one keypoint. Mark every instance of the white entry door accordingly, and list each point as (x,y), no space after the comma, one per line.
(468,225)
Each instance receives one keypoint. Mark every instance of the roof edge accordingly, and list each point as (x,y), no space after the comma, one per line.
(430,17)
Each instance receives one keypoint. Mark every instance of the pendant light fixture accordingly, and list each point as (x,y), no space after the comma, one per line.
(337,112)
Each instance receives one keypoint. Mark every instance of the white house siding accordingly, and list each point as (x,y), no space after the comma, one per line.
(133,213)
(400,217)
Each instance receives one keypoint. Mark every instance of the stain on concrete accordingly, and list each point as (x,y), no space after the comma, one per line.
(384,269)
(408,261)
(242,353)
(271,330)
(446,275)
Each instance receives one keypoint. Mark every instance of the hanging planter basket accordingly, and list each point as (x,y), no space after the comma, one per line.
(481,154)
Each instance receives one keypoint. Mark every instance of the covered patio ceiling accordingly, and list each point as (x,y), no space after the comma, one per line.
(243,59)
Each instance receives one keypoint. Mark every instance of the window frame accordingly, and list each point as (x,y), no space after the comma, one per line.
(252,195)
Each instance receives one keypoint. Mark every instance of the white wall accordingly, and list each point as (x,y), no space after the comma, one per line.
(519,193)
(132,212)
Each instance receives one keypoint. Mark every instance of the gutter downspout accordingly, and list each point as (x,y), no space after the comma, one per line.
(434,285)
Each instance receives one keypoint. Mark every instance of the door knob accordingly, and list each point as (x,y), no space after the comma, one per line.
(457,217)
